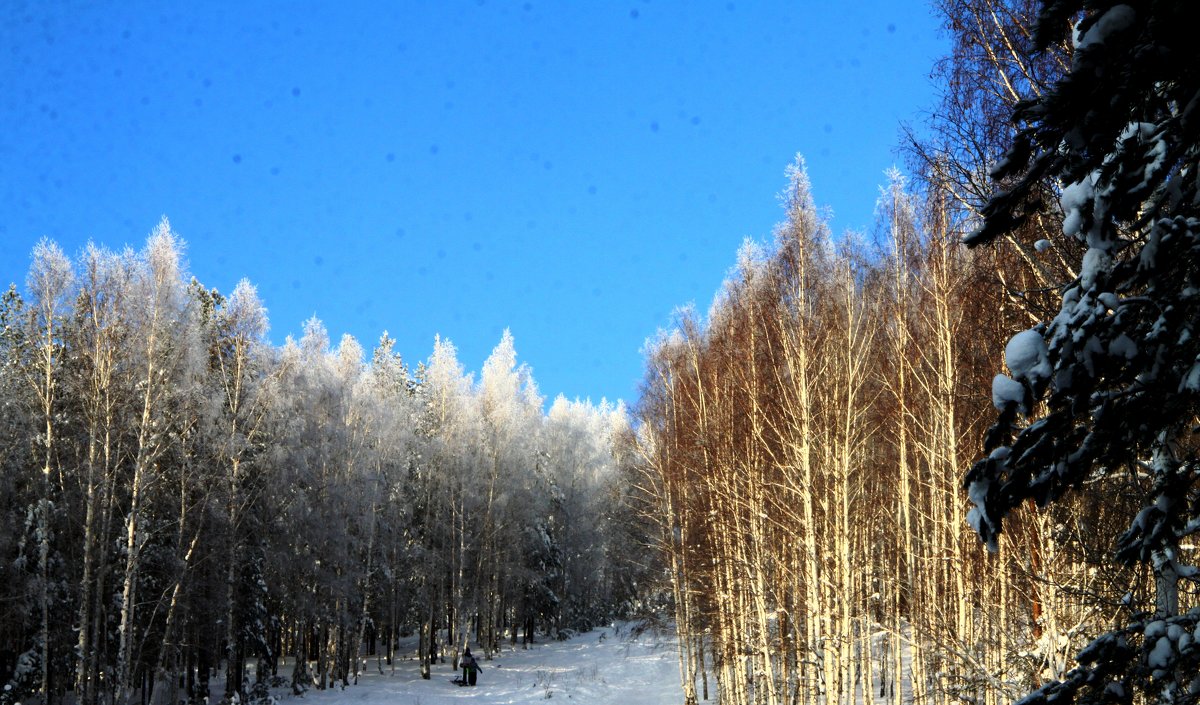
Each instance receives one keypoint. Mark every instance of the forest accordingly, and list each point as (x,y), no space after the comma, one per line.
(181,497)
(831,441)
(951,460)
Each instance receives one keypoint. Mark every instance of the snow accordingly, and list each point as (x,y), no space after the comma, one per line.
(1160,657)
(1158,158)
(1095,261)
(977,516)
(1027,358)
(1005,391)
(1191,381)
(1115,19)
(1123,346)
(1148,256)
(1074,198)
(601,667)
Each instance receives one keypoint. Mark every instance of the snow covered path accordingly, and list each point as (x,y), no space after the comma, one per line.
(585,669)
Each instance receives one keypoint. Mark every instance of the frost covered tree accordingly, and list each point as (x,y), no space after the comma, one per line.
(161,357)
(179,497)
(1108,390)
(510,411)
(323,448)
(578,443)
(239,361)
(447,420)
(99,331)
(387,394)
(51,279)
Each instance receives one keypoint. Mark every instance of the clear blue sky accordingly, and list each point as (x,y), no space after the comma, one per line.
(570,170)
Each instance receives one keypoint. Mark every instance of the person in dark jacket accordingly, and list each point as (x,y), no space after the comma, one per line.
(470,667)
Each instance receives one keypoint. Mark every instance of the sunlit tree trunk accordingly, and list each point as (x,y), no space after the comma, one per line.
(100,335)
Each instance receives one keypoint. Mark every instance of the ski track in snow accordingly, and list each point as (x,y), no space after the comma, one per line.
(584,669)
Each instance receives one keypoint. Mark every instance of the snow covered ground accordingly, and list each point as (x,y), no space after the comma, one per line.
(614,670)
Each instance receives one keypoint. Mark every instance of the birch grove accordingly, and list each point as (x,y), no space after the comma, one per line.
(803,446)
(194,514)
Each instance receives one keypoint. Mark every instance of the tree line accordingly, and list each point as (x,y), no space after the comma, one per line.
(185,505)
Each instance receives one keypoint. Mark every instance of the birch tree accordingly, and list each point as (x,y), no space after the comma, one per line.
(239,363)
(102,329)
(50,283)
(157,302)
(510,415)
(449,418)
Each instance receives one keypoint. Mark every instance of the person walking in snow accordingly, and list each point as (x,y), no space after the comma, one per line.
(470,667)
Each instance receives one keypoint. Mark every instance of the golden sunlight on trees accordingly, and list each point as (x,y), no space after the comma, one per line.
(804,445)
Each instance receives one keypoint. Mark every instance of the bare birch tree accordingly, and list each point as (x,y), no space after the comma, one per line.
(50,281)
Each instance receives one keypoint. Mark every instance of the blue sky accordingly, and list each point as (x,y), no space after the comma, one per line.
(573,171)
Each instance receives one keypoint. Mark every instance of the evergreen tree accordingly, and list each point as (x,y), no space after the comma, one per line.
(1109,389)
(18,491)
